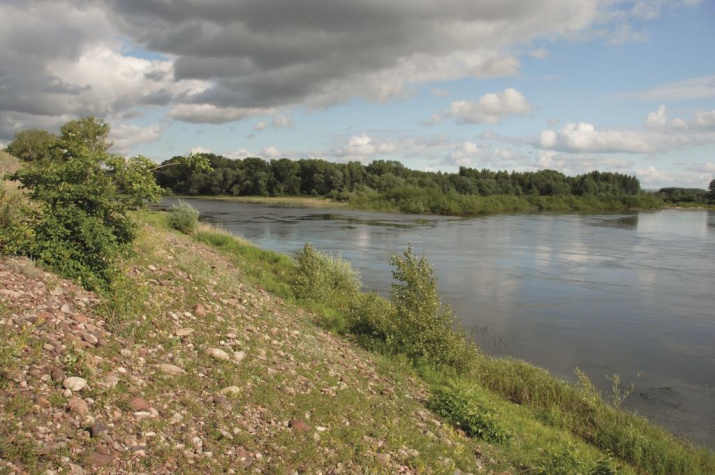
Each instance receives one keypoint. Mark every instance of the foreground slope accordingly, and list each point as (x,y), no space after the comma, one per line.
(207,375)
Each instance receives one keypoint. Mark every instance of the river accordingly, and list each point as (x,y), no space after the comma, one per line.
(632,294)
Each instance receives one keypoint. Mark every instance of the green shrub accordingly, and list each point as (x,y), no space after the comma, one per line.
(321,277)
(454,405)
(183,217)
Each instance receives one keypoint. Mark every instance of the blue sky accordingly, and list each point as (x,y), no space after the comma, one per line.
(616,85)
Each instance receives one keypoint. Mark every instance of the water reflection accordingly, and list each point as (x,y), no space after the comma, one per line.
(618,293)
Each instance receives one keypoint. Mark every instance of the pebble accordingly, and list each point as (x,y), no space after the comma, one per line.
(65,309)
(231,390)
(97,428)
(99,460)
(200,310)
(57,374)
(218,354)
(138,404)
(383,459)
(170,369)
(77,405)
(298,425)
(183,332)
(74,383)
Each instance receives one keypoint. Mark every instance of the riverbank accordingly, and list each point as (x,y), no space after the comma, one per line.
(458,205)
(284,386)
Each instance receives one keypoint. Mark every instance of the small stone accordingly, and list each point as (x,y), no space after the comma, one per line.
(65,309)
(218,354)
(231,391)
(184,332)
(151,267)
(138,404)
(238,356)
(79,318)
(170,369)
(74,383)
(99,460)
(43,401)
(298,426)
(383,459)
(57,374)
(89,338)
(77,405)
(142,414)
(199,310)
(76,469)
(221,401)
(97,428)
(125,352)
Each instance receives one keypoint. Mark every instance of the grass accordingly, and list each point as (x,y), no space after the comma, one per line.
(555,427)
(278,201)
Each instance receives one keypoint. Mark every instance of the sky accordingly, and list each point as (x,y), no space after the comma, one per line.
(615,85)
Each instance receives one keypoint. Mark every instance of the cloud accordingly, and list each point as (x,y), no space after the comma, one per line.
(211,114)
(271,152)
(705,118)
(490,108)
(695,88)
(260,125)
(240,153)
(125,136)
(660,135)
(200,149)
(362,147)
(541,53)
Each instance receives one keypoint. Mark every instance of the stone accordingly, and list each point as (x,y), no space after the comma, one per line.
(97,428)
(77,405)
(74,383)
(238,356)
(65,309)
(57,374)
(138,404)
(298,426)
(169,369)
(184,332)
(218,354)
(222,402)
(199,310)
(89,338)
(231,390)
(99,460)
(383,459)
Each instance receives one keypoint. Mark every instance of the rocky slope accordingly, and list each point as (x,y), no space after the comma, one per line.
(187,369)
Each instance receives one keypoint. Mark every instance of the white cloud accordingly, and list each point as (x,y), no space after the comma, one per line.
(362,147)
(240,153)
(260,125)
(541,53)
(660,135)
(695,88)
(125,136)
(271,152)
(705,118)
(659,119)
(200,149)
(490,108)
(654,178)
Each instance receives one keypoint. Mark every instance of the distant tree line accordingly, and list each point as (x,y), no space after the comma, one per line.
(388,184)
(680,196)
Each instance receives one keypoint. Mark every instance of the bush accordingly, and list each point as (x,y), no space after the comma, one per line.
(322,277)
(183,217)
(454,405)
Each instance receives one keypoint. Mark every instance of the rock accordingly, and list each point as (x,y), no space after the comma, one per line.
(79,318)
(383,459)
(218,354)
(221,401)
(169,369)
(78,405)
(199,310)
(238,356)
(231,391)
(57,374)
(99,460)
(65,309)
(125,352)
(298,426)
(42,401)
(142,414)
(97,428)
(151,267)
(138,404)
(184,332)
(89,338)
(74,383)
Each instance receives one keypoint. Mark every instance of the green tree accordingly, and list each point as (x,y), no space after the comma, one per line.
(83,196)
(711,192)
(34,144)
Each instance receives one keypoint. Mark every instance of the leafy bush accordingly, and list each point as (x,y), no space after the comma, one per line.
(183,217)
(454,405)
(322,277)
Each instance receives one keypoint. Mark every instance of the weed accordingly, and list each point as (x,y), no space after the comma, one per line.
(183,217)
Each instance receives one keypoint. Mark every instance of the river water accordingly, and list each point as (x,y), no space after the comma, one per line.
(632,294)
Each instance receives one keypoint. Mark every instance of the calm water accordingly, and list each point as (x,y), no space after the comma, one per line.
(632,294)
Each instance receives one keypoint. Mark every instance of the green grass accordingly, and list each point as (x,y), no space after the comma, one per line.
(553,426)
